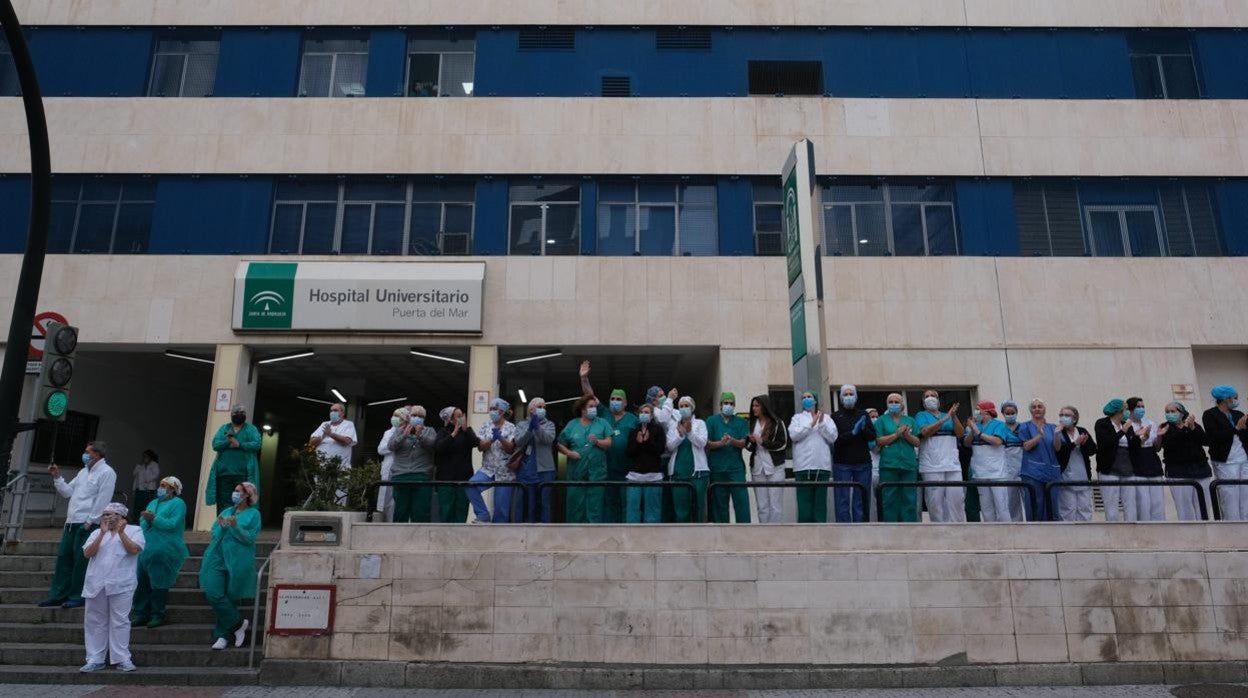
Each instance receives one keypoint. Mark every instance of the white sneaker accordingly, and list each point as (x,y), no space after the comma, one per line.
(241,633)
(126,666)
(220,644)
(478,521)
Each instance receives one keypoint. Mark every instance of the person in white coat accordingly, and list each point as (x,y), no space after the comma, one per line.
(335,439)
(89,492)
(686,442)
(385,498)
(112,551)
(812,433)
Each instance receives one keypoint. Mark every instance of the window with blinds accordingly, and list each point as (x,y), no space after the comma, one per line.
(184,69)
(333,67)
(9,86)
(657,219)
(1190,221)
(1048,219)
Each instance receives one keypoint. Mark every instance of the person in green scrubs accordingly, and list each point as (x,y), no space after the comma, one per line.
(237,445)
(726,435)
(163,524)
(227,573)
(686,441)
(622,423)
(896,437)
(585,442)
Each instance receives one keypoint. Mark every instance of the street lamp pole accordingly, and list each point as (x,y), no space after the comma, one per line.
(13,371)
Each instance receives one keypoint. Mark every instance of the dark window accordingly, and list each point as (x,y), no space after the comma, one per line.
(9,86)
(786,77)
(545,218)
(101,215)
(1124,230)
(1191,227)
(657,218)
(71,436)
(440,65)
(768,220)
(548,39)
(905,220)
(1048,219)
(617,86)
(182,68)
(1164,66)
(682,39)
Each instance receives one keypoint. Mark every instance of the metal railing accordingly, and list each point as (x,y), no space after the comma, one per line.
(12,500)
(542,487)
(1213,494)
(925,484)
(1101,484)
(793,484)
(371,494)
(261,594)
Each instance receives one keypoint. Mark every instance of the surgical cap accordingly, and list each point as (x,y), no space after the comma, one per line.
(1114,406)
(652,392)
(1223,392)
(500,404)
(240,408)
(174,482)
(534,402)
(987,406)
(446,413)
(727,397)
(619,392)
(849,388)
(116,508)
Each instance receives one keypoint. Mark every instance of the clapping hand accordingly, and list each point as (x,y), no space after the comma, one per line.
(147,516)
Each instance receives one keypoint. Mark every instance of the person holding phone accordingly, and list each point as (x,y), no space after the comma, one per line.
(112,551)
(237,445)
(227,573)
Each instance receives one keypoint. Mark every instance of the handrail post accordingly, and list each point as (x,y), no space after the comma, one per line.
(255,608)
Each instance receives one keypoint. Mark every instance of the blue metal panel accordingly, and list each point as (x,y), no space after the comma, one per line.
(735,215)
(489,235)
(589,216)
(101,62)
(387,56)
(1094,65)
(1231,199)
(259,63)
(987,224)
(1223,60)
(211,215)
(14,212)
(1010,64)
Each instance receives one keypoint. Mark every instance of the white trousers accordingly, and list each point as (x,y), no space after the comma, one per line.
(945,504)
(1013,469)
(994,504)
(1185,500)
(1074,503)
(1232,501)
(770,500)
(875,481)
(1150,502)
(106,624)
(1114,497)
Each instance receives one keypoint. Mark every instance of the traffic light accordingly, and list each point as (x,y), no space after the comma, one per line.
(56,371)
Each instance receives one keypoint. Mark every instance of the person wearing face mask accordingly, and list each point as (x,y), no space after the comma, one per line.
(113,551)
(496,439)
(385,495)
(726,437)
(1184,443)
(146,477)
(985,436)
(1039,460)
(812,433)
(335,438)
(896,438)
(1118,451)
(585,441)
(227,572)
(622,422)
(164,525)
(873,414)
(1013,456)
(1075,448)
(851,456)
(1150,502)
(237,445)
(646,445)
(1227,431)
(88,493)
(535,436)
(686,441)
(453,457)
(412,445)
(769,439)
(939,433)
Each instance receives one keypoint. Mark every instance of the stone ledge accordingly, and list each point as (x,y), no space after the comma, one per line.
(573,676)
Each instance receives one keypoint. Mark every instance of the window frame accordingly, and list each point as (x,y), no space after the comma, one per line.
(407,78)
(78,201)
(1158,61)
(886,200)
(676,206)
(186,61)
(333,65)
(1122,210)
(543,205)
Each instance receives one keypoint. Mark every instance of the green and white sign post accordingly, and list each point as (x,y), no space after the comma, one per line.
(802,243)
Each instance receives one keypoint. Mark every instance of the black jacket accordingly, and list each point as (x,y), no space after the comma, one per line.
(1185,453)
(775,435)
(1106,434)
(453,454)
(851,449)
(1219,431)
(647,457)
(1066,447)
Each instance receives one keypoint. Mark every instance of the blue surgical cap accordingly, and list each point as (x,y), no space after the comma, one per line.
(1222,392)
(500,404)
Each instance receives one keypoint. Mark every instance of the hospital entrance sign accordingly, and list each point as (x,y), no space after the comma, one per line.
(801,234)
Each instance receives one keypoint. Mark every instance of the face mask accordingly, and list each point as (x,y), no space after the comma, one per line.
(1234,403)
(591,413)
(238,419)
(1139,413)
(540,412)
(1066,421)
(1011,419)
(417,421)
(335,416)
(495,415)
(686,413)
(894,408)
(975,415)
(931,403)
(86,459)
(808,403)
(644,417)
(1173,417)
(617,406)
(849,400)
(395,421)
(236,497)
(1126,416)
(161,492)
(728,409)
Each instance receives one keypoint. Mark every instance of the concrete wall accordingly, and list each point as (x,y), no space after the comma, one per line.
(1108,13)
(598,136)
(778,595)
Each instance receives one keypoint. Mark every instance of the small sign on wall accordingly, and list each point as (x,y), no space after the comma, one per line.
(480,401)
(224,395)
(302,609)
(1183,391)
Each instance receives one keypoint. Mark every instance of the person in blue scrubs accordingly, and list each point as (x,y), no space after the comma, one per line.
(1039,461)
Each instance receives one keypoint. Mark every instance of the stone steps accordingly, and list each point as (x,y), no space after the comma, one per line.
(47,563)
(48,548)
(29,614)
(192,635)
(31,580)
(152,676)
(71,654)
(33,595)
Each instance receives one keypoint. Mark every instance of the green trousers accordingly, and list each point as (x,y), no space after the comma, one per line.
(643,504)
(690,509)
(214,581)
(71,564)
(812,502)
(225,491)
(149,603)
(452,505)
(586,504)
(411,504)
(739,495)
(973,512)
(901,504)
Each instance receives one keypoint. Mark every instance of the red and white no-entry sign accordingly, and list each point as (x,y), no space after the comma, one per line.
(40,334)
